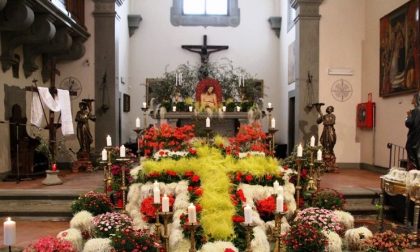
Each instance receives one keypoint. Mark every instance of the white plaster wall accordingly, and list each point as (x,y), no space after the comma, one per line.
(391,112)
(81,69)
(157,45)
(341,35)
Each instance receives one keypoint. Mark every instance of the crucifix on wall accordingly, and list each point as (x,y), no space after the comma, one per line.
(204,50)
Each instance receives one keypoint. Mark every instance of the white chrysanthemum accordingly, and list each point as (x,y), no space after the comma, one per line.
(345,218)
(182,245)
(134,172)
(334,241)
(98,244)
(355,237)
(74,236)
(260,242)
(82,221)
(218,246)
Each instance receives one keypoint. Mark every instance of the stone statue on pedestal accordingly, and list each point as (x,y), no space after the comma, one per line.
(413,137)
(84,136)
(328,137)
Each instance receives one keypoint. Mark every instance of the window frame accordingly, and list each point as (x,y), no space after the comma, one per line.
(179,19)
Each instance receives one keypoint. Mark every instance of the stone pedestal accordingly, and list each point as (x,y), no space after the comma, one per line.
(83,160)
(52,178)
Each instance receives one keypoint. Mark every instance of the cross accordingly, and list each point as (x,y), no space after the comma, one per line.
(204,50)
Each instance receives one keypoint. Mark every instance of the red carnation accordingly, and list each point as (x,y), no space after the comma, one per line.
(192,151)
(238,176)
(268,177)
(198,208)
(241,195)
(198,191)
(248,178)
(229,250)
(171,173)
(195,178)
(189,173)
(238,219)
(190,188)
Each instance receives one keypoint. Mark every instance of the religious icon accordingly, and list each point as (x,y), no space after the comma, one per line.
(328,137)
(83,116)
(208,99)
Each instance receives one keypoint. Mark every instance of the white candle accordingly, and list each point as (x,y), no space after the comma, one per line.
(273,123)
(155,185)
(176,79)
(122,151)
(280,190)
(192,215)
(279,203)
(173,108)
(190,108)
(9,232)
(180,79)
(224,108)
(248,214)
(137,122)
(300,150)
(238,108)
(239,80)
(207,122)
(144,105)
(276,186)
(156,195)
(108,141)
(269,105)
(319,155)
(104,155)
(312,141)
(165,203)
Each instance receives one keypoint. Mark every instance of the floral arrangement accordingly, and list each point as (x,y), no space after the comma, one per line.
(166,137)
(304,237)
(266,208)
(50,244)
(200,237)
(149,210)
(108,223)
(265,180)
(328,198)
(93,202)
(250,137)
(238,200)
(319,218)
(130,239)
(389,241)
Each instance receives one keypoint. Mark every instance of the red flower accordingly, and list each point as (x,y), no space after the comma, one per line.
(190,188)
(198,208)
(248,178)
(241,195)
(188,173)
(192,151)
(171,173)
(229,250)
(198,191)
(238,176)
(195,178)
(268,177)
(238,219)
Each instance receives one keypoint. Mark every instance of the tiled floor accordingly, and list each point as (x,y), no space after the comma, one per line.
(351,180)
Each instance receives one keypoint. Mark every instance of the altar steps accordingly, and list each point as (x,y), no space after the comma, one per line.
(362,202)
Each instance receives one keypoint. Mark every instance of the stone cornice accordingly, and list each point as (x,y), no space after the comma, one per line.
(306,9)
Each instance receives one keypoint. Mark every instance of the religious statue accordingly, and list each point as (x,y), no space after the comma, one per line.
(83,132)
(328,137)
(208,99)
(413,137)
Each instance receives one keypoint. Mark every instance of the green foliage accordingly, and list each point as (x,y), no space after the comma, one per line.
(93,202)
(328,199)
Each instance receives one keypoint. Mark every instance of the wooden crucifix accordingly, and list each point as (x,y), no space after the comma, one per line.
(204,50)
(52,126)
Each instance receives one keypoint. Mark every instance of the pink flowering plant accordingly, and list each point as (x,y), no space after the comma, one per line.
(109,223)
(93,202)
(130,239)
(50,244)
(302,237)
(319,218)
(389,241)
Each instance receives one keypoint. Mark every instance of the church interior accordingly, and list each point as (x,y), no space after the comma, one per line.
(210,125)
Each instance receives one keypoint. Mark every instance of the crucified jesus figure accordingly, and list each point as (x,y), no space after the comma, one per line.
(204,50)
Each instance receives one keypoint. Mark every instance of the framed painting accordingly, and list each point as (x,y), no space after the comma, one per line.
(399,51)
(126,103)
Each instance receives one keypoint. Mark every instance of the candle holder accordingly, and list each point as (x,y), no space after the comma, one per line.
(107,171)
(123,188)
(208,133)
(277,230)
(166,216)
(298,186)
(248,229)
(138,131)
(271,133)
(193,227)
(144,109)
(157,223)
(311,183)
(318,174)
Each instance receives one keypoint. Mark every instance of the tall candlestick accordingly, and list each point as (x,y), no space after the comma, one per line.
(312,141)
(156,195)
(279,203)
(319,155)
(207,122)
(269,105)
(273,123)
(104,154)
(300,150)
(192,215)
(248,214)
(276,186)
(108,141)
(137,122)
(9,232)
(122,151)
(165,203)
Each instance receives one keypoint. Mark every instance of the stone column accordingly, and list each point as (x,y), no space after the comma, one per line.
(307,61)
(106,87)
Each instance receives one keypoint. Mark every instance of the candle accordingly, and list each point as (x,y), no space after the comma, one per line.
(280,190)
(279,203)
(155,185)
(273,123)
(276,186)
(239,80)
(312,141)
(122,151)
(248,214)
(144,105)
(192,216)
(224,108)
(9,232)
(165,203)
(190,108)
(156,195)
(54,167)
(238,108)
(180,79)
(269,105)
(319,155)
(137,122)
(173,108)
(104,154)
(176,79)
(300,150)
(108,141)
(207,122)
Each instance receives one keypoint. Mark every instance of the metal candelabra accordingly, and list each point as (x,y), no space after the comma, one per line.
(123,188)
(157,223)
(166,217)
(193,227)
(138,131)
(208,133)
(248,229)
(298,186)
(271,133)
(311,183)
(277,230)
